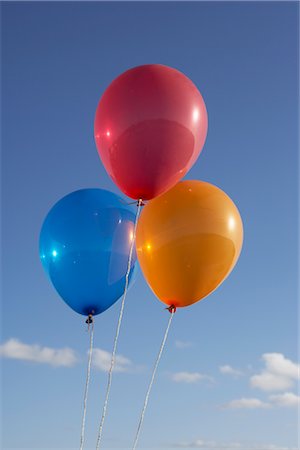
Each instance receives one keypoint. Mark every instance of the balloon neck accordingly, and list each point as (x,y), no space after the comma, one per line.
(172,309)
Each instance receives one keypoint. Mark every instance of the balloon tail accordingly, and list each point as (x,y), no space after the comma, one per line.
(172,310)
(113,356)
(140,201)
(90,322)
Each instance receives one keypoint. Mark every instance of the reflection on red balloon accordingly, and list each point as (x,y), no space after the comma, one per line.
(150,127)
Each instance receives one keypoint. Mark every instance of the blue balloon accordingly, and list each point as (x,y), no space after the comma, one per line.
(85,243)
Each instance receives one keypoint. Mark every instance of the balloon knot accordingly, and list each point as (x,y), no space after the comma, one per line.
(172,309)
(89,319)
(140,202)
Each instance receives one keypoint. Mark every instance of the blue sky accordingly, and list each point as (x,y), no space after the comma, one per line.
(228,376)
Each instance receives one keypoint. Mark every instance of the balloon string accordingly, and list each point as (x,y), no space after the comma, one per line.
(113,357)
(88,375)
(172,311)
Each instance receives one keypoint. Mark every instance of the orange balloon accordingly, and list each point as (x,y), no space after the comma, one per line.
(188,241)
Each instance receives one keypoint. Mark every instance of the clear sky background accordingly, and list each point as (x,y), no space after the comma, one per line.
(228,376)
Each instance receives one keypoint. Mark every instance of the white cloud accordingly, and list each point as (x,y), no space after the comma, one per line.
(200,443)
(279,373)
(267,381)
(277,363)
(189,377)
(228,370)
(15,349)
(183,344)
(246,403)
(287,399)
(102,360)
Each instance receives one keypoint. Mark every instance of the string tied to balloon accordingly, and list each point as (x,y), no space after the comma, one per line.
(172,310)
(113,356)
(139,201)
(90,323)
(89,320)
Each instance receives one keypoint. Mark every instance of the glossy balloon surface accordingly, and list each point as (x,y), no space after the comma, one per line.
(188,241)
(84,248)
(150,127)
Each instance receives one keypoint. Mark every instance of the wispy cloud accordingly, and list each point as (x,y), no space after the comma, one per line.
(102,361)
(64,357)
(246,403)
(190,377)
(211,444)
(278,374)
(201,443)
(228,370)
(288,399)
(15,349)
(183,344)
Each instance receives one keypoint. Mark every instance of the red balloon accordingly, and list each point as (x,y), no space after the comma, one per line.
(150,127)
